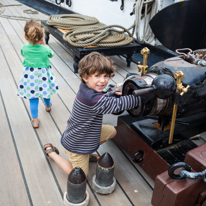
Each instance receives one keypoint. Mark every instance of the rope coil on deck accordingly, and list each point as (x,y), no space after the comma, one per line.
(86,31)
(71,21)
(103,36)
(22,18)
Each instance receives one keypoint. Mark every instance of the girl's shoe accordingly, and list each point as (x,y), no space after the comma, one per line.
(48,109)
(52,149)
(35,124)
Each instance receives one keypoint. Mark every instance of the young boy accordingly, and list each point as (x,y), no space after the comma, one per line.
(85,132)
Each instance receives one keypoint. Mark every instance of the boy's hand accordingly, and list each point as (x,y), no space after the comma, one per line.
(118,93)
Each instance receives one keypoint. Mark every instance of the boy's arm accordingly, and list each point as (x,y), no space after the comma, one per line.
(108,105)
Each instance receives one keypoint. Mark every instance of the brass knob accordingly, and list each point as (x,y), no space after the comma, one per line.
(184,90)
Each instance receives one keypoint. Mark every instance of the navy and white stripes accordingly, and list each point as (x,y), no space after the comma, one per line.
(84,125)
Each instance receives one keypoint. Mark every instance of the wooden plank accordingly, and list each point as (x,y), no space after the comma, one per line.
(149,181)
(59,50)
(37,173)
(115,198)
(137,190)
(13,190)
(62,119)
(117,194)
(49,133)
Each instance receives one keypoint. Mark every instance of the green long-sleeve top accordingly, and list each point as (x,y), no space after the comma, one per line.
(37,55)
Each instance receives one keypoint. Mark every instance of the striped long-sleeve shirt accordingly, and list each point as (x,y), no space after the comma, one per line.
(83,131)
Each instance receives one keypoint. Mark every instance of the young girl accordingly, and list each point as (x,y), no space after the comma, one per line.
(37,79)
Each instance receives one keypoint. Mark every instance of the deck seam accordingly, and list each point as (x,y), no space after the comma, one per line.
(136,169)
(57,183)
(121,187)
(66,108)
(16,150)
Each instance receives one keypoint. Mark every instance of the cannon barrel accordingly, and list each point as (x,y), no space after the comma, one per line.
(141,92)
(157,88)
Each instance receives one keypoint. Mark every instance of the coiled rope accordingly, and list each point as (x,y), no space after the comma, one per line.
(105,36)
(71,21)
(22,18)
(88,31)
(96,34)
(146,9)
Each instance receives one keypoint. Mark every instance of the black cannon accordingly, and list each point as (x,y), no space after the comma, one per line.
(176,81)
(157,87)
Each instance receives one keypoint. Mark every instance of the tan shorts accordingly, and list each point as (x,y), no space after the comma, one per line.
(82,161)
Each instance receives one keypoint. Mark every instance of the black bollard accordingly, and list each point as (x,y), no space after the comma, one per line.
(76,188)
(104,181)
(105,170)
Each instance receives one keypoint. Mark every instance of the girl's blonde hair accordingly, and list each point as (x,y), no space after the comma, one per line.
(34,32)
(95,62)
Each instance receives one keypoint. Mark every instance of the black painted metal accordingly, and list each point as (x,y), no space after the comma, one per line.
(106,161)
(105,170)
(58,2)
(122,5)
(194,75)
(176,166)
(138,156)
(69,2)
(76,186)
(165,86)
(181,25)
(159,140)
(46,7)
(184,128)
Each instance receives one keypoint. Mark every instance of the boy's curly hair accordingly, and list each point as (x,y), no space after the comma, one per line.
(95,62)
(34,31)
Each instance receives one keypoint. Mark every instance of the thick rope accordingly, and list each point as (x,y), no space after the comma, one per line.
(144,32)
(29,11)
(22,18)
(86,31)
(105,36)
(71,21)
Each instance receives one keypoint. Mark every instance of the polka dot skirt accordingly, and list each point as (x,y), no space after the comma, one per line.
(37,82)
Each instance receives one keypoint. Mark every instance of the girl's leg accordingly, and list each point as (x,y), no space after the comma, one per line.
(64,164)
(34,110)
(47,103)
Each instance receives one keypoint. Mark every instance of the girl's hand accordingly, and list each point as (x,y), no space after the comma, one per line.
(42,42)
(118,93)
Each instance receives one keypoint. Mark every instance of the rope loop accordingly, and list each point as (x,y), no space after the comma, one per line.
(144,9)
(87,31)
(22,18)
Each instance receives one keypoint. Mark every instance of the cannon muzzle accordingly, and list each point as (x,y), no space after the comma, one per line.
(141,92)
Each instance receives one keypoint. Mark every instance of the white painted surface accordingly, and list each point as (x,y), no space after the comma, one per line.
(108,12)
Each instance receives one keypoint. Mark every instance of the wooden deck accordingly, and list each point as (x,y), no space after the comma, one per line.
(27,176)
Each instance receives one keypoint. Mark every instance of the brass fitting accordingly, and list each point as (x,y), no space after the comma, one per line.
(180,88)
(145,51)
